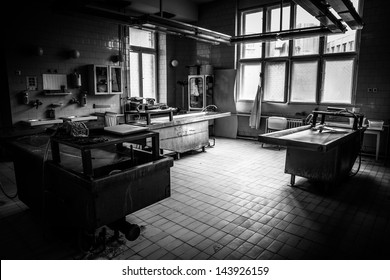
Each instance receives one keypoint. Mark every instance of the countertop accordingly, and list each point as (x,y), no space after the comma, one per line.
(161,122)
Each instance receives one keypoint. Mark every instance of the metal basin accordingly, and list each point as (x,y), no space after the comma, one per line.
(36,122)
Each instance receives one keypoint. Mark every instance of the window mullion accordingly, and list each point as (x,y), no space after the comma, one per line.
(320,74)
(140,76)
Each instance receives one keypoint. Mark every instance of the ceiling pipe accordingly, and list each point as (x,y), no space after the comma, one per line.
(181,33)
(160,24)
(282,35)
(169,26)
(185,27)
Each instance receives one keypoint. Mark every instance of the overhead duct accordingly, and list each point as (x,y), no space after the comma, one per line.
(321,12)
(348,13)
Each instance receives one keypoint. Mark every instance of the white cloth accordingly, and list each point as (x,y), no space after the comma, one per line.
(254,120)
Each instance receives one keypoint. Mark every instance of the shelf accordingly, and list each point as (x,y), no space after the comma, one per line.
(55,93)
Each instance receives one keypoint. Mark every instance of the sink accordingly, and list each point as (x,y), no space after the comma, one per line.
(190,115)
(36,122)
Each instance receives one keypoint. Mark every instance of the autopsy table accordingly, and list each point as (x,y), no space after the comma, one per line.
(320,152)
(90,182)
(185,132)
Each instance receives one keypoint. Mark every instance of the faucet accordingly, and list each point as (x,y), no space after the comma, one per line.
(210,108)
(74,101)
(36,103)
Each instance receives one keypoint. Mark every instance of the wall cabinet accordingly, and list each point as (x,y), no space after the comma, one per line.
(200,91)
(105,79)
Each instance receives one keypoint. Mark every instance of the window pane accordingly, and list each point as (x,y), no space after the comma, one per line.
(341,42)
(345,42)
(273,15)
(277,48)
(305,46)
(274,78)
(249,80)
(149,75)
(252,23)
(251,50)
(304,19)
(304,81)
(337,86)
(141,38)
(134,75)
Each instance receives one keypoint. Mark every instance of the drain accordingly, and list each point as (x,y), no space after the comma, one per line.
(217,247)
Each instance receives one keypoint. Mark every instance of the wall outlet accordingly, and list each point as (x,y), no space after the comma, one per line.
(374,89)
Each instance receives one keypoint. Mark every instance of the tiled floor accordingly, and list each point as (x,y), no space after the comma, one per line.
(230,202)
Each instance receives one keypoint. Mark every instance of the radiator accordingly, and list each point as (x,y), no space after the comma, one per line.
(291,123)
(294,123)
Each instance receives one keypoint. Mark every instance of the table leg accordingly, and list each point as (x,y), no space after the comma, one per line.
(378,142)
(87,162)
(292,180)
(55,151)
(170,116)
(156,146)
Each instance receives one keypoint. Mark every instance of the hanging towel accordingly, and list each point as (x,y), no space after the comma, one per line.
(254,120)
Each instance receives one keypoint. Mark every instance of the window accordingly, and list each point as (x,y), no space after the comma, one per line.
(305,46)
(250,68)
(304,81)
(314,70)
(252,23)
(279,47)
(143,70)
(339,40)
(337,81)
(250,77)
(274,79)
(141,38)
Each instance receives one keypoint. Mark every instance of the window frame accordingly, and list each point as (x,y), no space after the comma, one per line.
(320,57)
(312,58)
(285,85)
(140,51)
(353,78)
